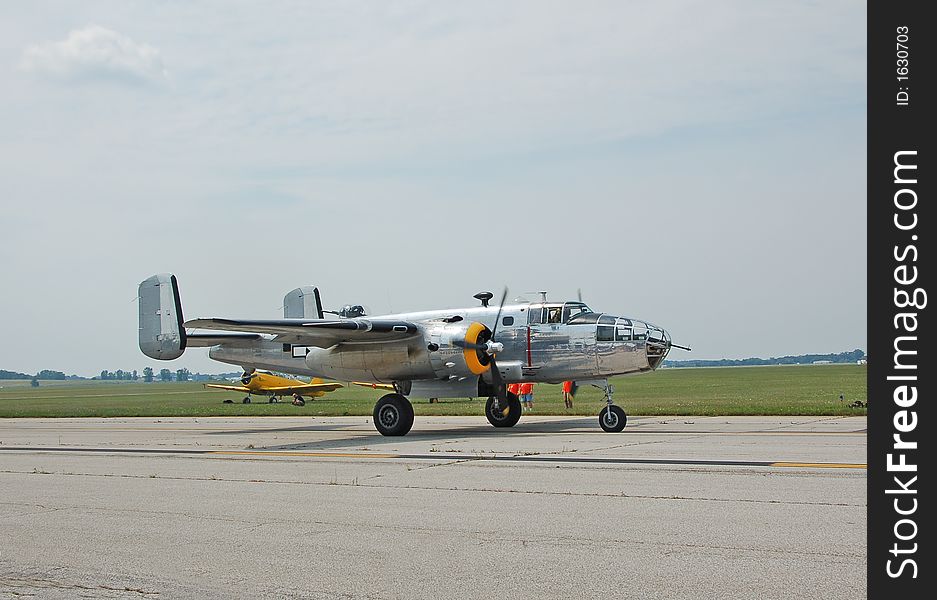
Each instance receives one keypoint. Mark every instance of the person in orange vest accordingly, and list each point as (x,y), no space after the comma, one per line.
(527,395)
(568,393)
(514,388)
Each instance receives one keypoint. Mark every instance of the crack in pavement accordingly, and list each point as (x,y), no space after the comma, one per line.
(38,583)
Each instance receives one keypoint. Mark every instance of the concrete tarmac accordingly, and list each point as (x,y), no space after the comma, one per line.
(298,507)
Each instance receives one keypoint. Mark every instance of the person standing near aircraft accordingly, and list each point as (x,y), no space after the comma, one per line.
(527,395)
(568,393)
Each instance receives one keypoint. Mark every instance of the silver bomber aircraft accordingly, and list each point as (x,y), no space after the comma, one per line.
(452,353)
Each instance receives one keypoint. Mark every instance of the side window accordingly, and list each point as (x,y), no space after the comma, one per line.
(507,321)
(605,333)
(554,314)
(622,334)
(534,315)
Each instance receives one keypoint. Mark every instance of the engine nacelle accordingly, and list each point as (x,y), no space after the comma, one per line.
(452,362)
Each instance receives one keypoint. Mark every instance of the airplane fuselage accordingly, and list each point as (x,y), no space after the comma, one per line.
(543,342)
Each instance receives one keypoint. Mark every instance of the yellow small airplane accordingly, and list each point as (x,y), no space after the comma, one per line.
(275,387)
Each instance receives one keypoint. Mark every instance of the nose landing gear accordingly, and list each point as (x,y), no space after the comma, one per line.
(611,418)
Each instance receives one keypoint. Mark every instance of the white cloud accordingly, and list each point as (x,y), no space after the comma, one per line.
(95,52)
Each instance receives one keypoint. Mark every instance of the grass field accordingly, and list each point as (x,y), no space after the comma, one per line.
(780,390)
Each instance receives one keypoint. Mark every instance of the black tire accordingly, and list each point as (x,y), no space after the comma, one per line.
(498,418)
(246,400)
(393,415)
(613,420)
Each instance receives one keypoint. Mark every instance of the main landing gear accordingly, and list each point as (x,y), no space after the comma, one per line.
(503,414)
(611,418)
(393,415)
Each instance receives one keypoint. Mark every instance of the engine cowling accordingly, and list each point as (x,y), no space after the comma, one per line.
(450,361)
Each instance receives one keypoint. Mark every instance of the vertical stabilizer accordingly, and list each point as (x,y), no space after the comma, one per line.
(303,303)
(162,335)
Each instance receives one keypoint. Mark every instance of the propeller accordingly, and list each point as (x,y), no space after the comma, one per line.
(491,349)
(247,375)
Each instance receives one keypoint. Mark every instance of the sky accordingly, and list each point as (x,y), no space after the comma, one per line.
(700,165)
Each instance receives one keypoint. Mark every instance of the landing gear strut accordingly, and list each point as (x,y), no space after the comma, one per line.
(611,418)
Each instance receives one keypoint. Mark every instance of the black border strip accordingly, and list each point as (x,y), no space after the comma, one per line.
(897,112)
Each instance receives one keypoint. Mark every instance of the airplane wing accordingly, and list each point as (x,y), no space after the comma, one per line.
(323,333)
(205,340)
(233,388)
(303,388)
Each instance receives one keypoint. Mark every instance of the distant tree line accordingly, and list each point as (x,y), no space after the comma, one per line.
(147,376)
(119,375)
(43,374)
(800,359)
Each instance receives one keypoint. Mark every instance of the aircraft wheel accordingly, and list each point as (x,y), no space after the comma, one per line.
(393,415)
(613,419)
(500,418)
(246,400)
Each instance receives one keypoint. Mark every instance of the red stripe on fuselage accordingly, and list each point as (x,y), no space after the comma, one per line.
(528,347)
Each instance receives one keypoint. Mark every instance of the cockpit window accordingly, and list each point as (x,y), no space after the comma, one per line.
(622,333)
(572,309)
(607,320)
(584,319)
(535,315)
(554,314)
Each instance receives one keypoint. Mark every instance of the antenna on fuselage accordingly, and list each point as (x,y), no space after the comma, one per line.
(543,295)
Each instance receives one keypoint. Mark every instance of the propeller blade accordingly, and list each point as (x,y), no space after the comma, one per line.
(500,306)
(496,380)
(579,294)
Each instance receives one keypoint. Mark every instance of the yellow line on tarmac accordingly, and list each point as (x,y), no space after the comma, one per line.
(821,465)
(315,454)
